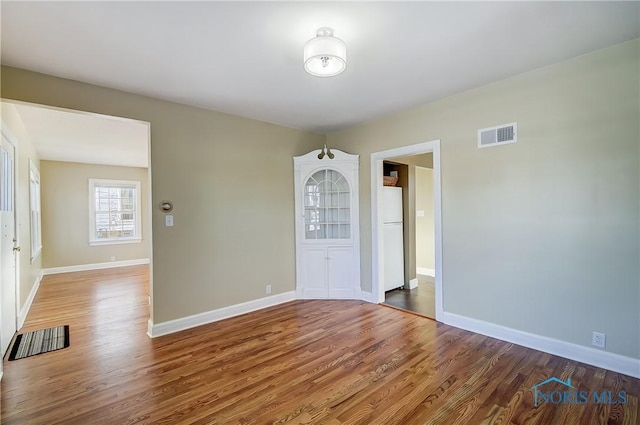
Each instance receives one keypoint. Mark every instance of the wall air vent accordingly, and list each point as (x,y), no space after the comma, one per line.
(499,135)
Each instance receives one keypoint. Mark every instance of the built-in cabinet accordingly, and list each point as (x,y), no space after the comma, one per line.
(327,225)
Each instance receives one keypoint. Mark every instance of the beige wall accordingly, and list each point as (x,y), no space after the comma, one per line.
(29,271)
(425,240)
(231,182)
(65,214)
(542,235)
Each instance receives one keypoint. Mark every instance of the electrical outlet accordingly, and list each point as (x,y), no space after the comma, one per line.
(268,289)
(598,339)
(113,258)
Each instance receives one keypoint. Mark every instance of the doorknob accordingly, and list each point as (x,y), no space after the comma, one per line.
(16,249)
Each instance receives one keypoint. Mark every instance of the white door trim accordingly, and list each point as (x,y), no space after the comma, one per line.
(377,263)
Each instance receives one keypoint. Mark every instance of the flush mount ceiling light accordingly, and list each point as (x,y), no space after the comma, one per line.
(325,55)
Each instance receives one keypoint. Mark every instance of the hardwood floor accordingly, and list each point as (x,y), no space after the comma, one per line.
(421,300)
(303,362)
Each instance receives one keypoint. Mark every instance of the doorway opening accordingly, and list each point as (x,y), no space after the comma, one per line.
(413,273)
(408,232)
(67,148)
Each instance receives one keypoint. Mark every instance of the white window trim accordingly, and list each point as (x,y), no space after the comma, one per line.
(92,212)
(36,245)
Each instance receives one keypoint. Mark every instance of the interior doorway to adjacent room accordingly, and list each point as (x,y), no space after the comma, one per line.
(77,227)
(408,227)
(421,289)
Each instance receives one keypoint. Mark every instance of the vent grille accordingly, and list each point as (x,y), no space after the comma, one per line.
(498,135)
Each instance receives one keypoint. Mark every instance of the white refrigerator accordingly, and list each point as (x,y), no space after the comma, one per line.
(393,239)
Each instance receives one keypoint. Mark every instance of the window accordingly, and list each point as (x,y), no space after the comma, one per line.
(114,212)
(6,181)
(34,206)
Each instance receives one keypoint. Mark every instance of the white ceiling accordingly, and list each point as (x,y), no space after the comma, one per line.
(63,135)
(245,58)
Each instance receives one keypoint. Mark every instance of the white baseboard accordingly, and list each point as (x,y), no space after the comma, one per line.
(94,266)
(22,316)
(165,328)
(368,297)
(610,361)
(425,272)
(413,283)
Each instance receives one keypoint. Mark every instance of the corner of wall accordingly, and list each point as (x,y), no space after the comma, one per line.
(24,310)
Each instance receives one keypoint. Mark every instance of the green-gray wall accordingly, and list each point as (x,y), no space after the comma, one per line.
(542,235)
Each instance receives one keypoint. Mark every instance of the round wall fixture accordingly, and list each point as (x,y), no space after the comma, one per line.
(166,206)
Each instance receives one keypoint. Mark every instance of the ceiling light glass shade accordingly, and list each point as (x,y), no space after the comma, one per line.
(325,55)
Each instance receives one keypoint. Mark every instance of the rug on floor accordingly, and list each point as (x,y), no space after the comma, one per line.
(41,341)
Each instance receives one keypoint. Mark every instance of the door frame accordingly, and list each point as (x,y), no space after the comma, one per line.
(377,243)
(6,134)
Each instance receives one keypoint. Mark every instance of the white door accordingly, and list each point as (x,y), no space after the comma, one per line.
(314,269)
(8,249)
(340,266)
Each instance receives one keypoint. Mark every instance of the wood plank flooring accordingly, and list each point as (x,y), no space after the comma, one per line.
(421,300)
(303,362)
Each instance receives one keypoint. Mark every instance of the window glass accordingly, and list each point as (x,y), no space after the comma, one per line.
(115,216)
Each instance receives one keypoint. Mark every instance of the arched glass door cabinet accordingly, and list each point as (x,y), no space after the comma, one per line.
(327,225)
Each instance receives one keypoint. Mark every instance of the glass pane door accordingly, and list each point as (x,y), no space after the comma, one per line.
(327,206)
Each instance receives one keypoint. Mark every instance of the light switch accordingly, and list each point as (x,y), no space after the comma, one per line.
(420,213)
(168,220)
